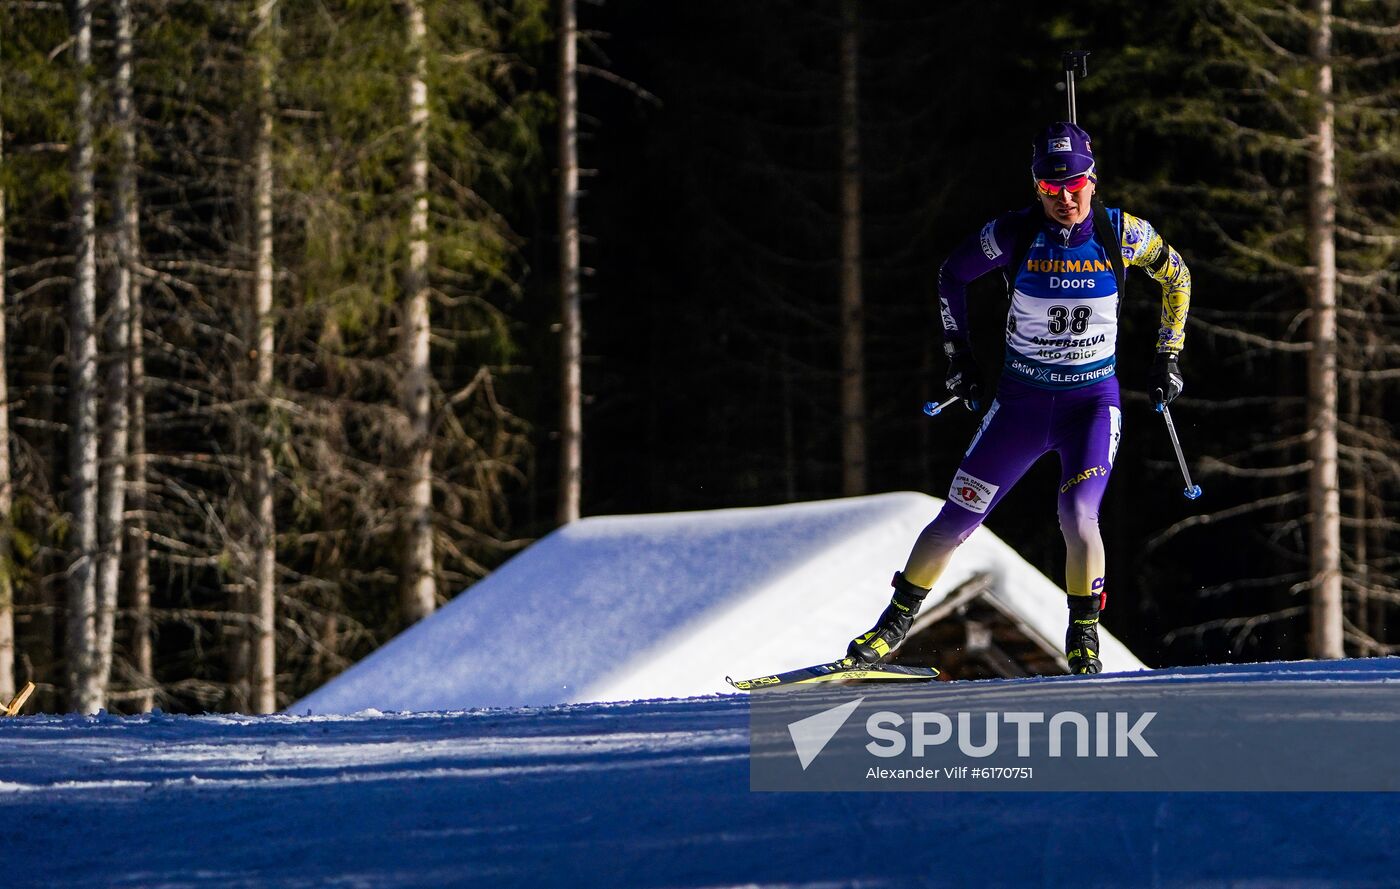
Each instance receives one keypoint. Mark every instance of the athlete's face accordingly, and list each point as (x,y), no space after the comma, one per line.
(1068,207)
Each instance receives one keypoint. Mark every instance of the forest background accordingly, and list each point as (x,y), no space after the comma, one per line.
(283,327)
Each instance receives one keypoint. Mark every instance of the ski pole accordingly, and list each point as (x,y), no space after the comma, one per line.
(933,408)
(1192,490)
(1076,61)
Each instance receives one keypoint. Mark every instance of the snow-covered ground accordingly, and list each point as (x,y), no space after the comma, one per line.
(639,794)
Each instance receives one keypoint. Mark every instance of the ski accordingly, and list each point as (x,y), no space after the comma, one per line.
(843,670)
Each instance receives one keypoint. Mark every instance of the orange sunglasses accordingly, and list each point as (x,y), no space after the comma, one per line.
(1052,189)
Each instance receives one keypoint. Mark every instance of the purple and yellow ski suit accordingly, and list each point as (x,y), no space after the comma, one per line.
(1057,391)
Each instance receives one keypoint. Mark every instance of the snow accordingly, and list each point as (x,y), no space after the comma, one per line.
(635,794)
(630,607)
(527,763)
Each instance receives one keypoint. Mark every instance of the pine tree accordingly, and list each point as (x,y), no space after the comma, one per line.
(570,311)
(86,690)
(419,594)
(397,154)
(116,337)
(1300,108)
(852,324)
(7,590)
(263,514)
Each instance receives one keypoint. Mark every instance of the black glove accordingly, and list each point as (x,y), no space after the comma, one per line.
(1164,382)
(964,376)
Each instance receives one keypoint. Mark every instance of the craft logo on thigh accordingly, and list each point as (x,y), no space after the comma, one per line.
(971,492)
(1091,472)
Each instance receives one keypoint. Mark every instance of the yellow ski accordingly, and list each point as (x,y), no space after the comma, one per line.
(844,670)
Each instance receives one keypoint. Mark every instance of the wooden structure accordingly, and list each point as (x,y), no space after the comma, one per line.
(13,708)
(973,634)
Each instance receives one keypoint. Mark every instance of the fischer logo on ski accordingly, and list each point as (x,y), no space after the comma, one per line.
(846,669)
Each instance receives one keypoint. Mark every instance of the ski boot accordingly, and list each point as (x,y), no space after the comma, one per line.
(1082,637)
(889,630)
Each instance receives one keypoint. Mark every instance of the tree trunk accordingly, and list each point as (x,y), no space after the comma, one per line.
(7,589)
(85,690)
(1378,538)
(571,322)
(853,460)
(419,596)
(1325,640)
(1361,529)
(111,493)
(264,593)
(137,554)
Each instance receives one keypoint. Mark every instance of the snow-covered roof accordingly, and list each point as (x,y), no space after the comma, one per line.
(667,605)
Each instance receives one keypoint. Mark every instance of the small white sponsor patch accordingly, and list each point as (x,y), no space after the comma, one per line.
(950,324)
(970,492)
(989,242)
(1061,144)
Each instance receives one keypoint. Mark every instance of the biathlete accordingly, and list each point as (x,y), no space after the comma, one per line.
(1058,392)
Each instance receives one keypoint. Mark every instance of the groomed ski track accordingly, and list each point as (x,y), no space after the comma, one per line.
(635,794)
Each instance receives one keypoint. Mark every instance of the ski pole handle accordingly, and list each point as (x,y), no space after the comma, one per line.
(933,408)
(1193,491)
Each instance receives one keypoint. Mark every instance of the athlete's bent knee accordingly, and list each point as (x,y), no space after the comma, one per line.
(1079,525)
